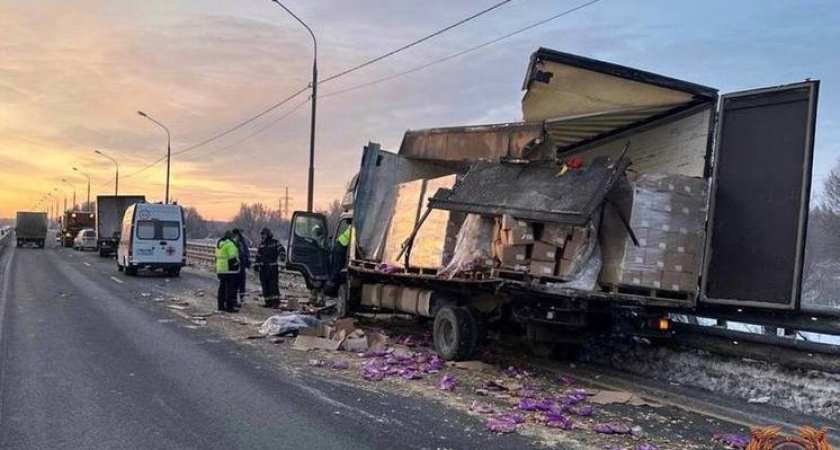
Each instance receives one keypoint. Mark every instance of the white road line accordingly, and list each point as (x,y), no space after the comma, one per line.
(117,280)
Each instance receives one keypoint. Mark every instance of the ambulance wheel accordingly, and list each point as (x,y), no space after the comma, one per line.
(453,333)
(174,273)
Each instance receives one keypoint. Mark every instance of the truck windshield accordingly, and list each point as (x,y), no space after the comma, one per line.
(168,230)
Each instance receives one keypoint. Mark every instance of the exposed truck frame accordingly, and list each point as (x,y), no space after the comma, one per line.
(673,126)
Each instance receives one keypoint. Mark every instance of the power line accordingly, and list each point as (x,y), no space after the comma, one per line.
(243,123)
(461,53)
(217,136)
(414,43)
(259,131)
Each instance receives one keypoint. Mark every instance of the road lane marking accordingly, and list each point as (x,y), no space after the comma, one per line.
(117,280)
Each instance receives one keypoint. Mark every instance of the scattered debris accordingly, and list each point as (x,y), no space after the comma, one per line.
(447,383)
(735,441)
(612,428)
(622,398)
(473,365)
(305,343)
(280,325)
(178,307)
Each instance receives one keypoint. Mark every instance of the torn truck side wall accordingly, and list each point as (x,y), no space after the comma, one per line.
(379,175)
(676,145)
(470,143)
(573,91)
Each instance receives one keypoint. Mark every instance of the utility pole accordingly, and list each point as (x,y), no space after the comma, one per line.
(88,187)
(287,203)
(168,149)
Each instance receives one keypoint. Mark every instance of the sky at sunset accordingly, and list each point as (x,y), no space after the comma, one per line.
(74,73)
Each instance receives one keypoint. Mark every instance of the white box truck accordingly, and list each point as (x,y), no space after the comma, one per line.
(110,210)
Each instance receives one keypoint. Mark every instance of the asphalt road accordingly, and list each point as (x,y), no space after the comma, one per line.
(85,364)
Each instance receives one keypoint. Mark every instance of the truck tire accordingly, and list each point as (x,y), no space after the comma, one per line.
(453,333)
(479,327)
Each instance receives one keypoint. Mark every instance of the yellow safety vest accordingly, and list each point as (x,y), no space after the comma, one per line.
(344,237)
(225,251)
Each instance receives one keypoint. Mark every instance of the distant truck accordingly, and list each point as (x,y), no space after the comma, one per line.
(31,228)
(110,210)
(72,223)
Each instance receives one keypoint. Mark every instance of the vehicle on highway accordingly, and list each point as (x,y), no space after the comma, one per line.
(110,210)
(154,237)
(85,240)
(72,223)
(31,228)
(728,238)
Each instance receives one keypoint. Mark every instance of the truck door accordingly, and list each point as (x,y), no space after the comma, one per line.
(761,184)
(308,250)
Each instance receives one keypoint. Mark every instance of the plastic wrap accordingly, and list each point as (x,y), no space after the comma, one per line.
(473,246)
(667,213)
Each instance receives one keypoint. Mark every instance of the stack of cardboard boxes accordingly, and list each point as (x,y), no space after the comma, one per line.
(542,249)
(667,214)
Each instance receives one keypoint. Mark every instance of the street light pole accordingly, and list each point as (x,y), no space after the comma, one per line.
(64,180)
(311,179)
(168,149)
(117,166)
(65,199)
(88,190)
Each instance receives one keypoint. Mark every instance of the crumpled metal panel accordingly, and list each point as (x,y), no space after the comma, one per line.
(530,192)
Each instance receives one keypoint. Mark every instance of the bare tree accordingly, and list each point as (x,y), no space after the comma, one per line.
(333,214)
(195,223)
(821,285)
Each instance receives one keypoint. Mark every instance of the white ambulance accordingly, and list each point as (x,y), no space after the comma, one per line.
(153,236)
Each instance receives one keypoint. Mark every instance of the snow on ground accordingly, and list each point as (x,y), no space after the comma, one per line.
(808,392)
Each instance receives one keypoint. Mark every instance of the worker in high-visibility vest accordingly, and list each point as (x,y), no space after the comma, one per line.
(227,268)
(338,254)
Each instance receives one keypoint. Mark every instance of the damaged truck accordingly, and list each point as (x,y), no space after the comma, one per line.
(621,198)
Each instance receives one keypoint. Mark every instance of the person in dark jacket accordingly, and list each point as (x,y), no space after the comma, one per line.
(244,264)
(269,253)
(227,268)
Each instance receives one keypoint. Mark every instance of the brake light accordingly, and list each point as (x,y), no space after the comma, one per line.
(663,324)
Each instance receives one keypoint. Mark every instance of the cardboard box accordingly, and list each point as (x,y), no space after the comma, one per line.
(516,232)
(543,252)
(555,234)
(543,268)
(566,268)
(631,277)
(511,255)
(672,281)
(680,262)
(573,249)
(580,234)
(652,279)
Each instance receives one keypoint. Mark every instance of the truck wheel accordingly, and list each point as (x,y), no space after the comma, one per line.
(479,327)
(453,333)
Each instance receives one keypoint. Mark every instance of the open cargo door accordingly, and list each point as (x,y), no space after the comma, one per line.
(760,197)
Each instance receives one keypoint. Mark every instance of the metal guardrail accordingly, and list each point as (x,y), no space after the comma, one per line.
(5,236)
(204,254)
